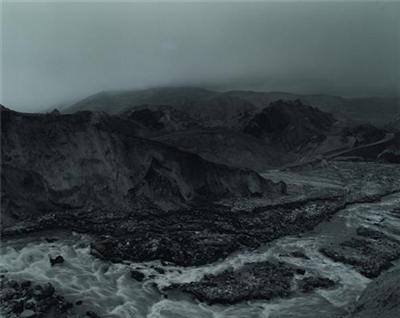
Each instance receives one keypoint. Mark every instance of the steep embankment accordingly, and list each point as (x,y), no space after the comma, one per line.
(381,298)
(53,162)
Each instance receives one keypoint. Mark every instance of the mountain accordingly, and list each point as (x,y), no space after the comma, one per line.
(91,160)
(376,110)
(208,107)
(220,144)
(119,101)
(265,126)
(306,133)
(291,124)
(226,108)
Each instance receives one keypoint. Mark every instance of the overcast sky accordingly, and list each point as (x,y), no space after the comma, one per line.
(59,52)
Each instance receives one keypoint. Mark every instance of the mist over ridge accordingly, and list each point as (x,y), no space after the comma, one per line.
(346,49)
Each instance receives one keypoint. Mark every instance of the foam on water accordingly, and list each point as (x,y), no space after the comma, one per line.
(109,290)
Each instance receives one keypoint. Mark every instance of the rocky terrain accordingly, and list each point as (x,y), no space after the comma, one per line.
(284,128)
(188,237)
(91,160)
(164,182)
(263,280)
(370,252)
(28,300)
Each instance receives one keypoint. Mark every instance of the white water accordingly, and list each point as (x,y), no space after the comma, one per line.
(109,290)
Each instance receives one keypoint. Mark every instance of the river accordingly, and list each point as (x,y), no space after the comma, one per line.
(109,290)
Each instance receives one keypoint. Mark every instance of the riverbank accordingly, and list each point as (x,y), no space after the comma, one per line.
(162,262)
(110,290)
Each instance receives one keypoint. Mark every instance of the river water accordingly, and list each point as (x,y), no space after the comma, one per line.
(109,290)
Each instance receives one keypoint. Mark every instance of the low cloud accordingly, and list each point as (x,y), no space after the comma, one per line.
(59,52)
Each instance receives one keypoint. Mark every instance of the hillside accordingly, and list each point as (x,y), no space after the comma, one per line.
(246,128)
(231,147)
(92,160)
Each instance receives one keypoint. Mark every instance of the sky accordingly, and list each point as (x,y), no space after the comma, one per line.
(59,52)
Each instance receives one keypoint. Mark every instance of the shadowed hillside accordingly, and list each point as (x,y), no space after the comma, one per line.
(88,160)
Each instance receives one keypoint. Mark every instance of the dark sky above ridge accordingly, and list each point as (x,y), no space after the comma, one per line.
(59,52)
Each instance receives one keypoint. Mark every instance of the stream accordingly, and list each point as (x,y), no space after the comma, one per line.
(109,290)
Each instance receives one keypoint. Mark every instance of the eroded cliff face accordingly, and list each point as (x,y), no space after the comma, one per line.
(89,160)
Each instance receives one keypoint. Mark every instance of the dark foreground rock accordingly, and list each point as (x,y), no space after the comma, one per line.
(371,252)
(265,280)
(253,281)
(139,276)
(310,283)
(203,235)
(381,298)
(56,260)
(186,237)
(92,314)
(28,300)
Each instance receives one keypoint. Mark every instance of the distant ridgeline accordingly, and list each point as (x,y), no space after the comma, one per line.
(223,105)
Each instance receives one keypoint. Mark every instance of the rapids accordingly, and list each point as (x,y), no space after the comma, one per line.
(109,290)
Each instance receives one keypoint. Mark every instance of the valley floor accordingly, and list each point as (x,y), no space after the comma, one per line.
(308,254)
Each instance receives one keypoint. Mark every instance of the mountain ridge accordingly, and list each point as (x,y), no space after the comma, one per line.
(377,110)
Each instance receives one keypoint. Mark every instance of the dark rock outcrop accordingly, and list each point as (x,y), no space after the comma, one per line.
(202,235)
(137,275)
(25,299)
(56,260)
(310,283)
(371,252)
(264,280)
(92,314)
(254,281)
